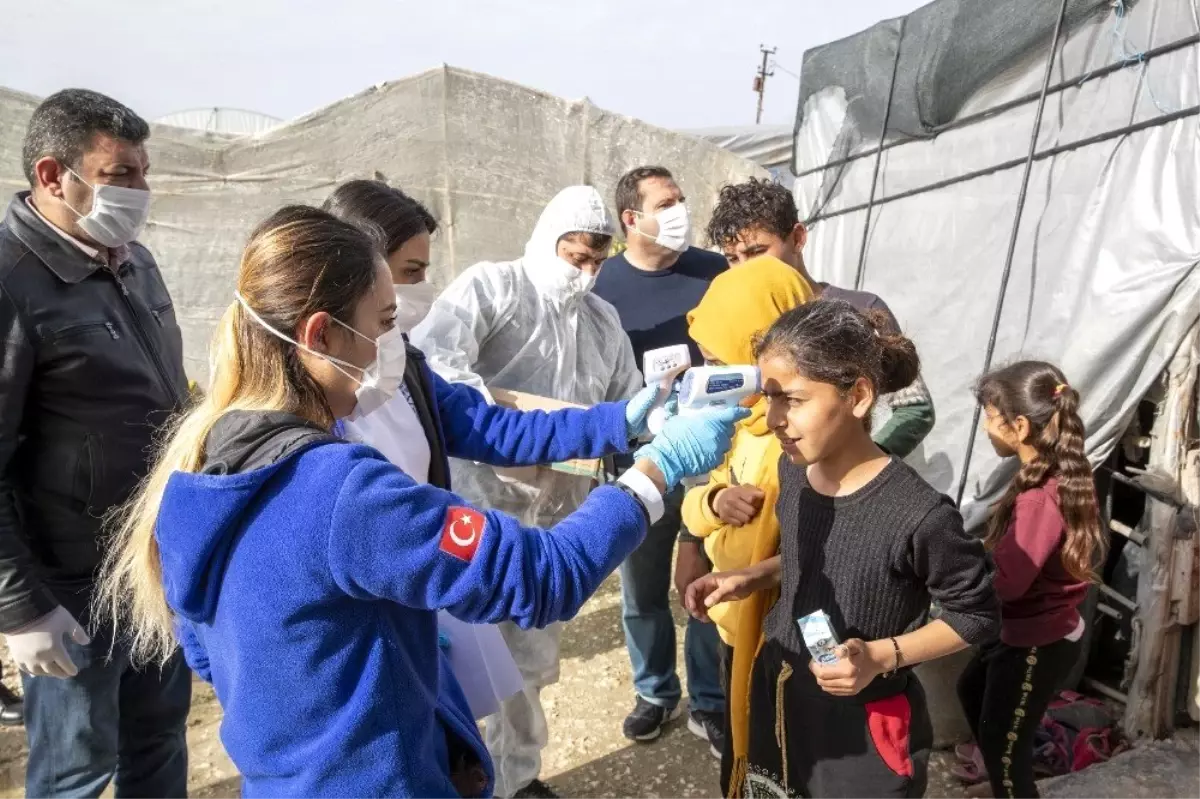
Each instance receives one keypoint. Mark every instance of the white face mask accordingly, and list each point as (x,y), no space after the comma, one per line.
(674,227)
(118,215)
(413,301)
(380,379)
(562,281)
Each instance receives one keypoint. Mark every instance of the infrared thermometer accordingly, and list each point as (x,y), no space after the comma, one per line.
(705,387)
(662,367)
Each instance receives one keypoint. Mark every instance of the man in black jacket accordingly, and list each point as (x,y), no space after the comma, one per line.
(91,363)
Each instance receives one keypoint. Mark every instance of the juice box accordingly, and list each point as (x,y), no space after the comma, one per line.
(817,631)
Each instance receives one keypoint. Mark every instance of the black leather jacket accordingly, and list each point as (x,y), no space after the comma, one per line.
(91,364)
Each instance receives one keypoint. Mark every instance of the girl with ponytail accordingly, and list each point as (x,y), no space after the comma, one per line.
(1045,538)
(865,540)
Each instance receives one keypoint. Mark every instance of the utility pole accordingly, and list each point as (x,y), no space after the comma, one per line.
(760,81)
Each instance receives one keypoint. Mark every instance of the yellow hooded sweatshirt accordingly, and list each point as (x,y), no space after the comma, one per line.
(738,305)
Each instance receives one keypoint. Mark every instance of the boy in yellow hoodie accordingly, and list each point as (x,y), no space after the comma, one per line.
(734,512)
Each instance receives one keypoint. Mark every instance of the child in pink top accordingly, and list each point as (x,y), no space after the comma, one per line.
(1045,539)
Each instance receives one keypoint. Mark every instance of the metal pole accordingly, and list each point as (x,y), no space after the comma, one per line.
(887,113)
(1012,241)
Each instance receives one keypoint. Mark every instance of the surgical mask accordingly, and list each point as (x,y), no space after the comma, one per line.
(118,214)
(674,227)
(380,379)
(413,301)
(562,281)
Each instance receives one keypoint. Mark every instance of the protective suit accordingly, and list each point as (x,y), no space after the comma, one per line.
(529,326)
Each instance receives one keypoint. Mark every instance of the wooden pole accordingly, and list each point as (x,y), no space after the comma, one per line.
(760,81)
(1150,710)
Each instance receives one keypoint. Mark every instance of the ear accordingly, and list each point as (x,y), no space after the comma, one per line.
(862,397)
(799,236)
(629,219)
(1022,428)
(313,332)
(49,175)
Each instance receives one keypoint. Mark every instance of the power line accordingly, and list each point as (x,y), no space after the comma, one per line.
(784,70)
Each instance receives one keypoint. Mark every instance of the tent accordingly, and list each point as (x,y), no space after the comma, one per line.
(919,146)
(483,154)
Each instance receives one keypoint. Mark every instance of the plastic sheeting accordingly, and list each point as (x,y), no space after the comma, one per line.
(1105,280)
(485,155)
(769,146)
(221,120)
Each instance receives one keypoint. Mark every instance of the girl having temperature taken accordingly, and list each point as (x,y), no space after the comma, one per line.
(1045,538)
(864,539)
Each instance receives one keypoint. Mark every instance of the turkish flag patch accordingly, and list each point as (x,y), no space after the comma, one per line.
(461,532)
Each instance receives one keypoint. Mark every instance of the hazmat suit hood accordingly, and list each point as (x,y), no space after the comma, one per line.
(575,209)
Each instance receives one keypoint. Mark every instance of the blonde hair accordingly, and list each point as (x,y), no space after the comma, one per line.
(298,262)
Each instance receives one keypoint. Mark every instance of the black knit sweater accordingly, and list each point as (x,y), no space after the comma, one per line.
(874,559)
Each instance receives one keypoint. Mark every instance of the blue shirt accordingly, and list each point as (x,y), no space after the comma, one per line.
(653,306)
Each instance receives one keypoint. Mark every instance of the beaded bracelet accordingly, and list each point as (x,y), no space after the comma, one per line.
(895,668)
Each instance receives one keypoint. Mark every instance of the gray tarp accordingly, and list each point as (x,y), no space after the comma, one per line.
(484,154)
(1105,280)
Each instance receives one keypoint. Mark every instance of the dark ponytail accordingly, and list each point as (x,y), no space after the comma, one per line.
(1040,392)
(832,342)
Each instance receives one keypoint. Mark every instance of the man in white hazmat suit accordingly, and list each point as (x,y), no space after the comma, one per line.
(532,325)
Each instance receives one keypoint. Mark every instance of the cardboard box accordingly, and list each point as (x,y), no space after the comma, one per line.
(590,469)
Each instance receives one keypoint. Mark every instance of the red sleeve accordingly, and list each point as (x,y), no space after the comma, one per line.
(1033,535)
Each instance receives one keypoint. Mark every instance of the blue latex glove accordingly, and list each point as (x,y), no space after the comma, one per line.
(692,445)
(637,410)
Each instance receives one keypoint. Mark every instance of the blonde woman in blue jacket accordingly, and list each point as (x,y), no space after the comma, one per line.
(302,573)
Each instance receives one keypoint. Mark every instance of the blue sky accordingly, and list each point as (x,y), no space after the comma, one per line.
(675,63)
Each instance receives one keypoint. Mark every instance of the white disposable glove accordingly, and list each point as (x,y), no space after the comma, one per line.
(38,648)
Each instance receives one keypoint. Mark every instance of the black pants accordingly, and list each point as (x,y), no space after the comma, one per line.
(805,742)
(727,746)
(1004,691)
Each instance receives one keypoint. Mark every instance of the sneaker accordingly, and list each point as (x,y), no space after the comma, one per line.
(536,790)
(647,720)
(709,727)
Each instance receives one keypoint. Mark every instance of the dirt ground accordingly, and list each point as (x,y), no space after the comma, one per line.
(587,756)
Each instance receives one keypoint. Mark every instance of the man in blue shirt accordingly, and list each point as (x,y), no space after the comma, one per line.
(653,285)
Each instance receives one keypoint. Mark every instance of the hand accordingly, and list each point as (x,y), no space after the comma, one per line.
(856,666)
(690,566)
(638,409)
(717,587)
(693,444)
(738,505)
(38,648)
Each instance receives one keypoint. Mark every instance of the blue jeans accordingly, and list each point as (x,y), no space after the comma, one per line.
(109,723)
(650,627)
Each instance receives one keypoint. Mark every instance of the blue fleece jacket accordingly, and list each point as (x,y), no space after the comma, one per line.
(307,593)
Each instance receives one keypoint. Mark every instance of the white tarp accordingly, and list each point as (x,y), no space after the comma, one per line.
(769,146)
(485,155)
(1105,280)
